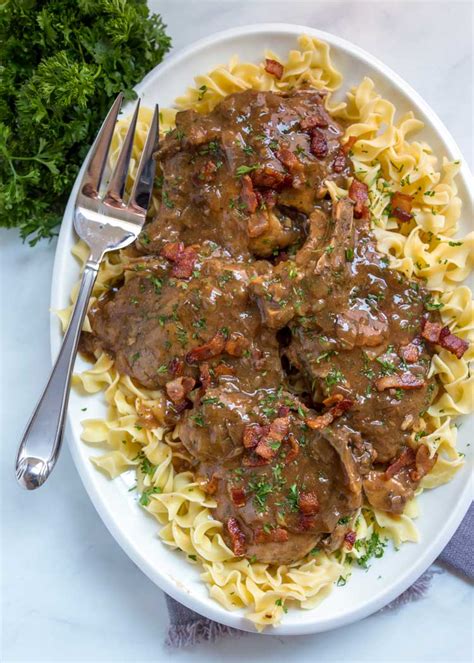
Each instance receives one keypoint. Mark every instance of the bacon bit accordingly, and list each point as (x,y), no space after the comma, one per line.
(333,399)
(211,485)
(275,535)
(308,503)
(409,353)
(423,463)
(176,366)
(452,343)
(179,388)
(283,411)
(274,68)
(252,434)
(267,198)
(359,193)
(269,177)
(208,350)
(317,119)
(406,458)
(349,144)
(257,225)
(350,539)
(238,497)
(183,259)
(281,257)
(294,450)
(239,546)
(236,345)
(223,369)
(184,265)
(258,359)
(401,206)
(208,170)
(171,250)
(404,381)
(319,144)
(339,162)
(342,405)
(289,160)
(181,406)
(248,195)
(205,377)
(268,445)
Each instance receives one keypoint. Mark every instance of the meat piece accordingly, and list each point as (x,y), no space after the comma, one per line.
(406,459)
(269,444)
(205,377)
(258,224)
(424,463)
(176,366)
(268,176)
(294,449)
(289,160)
(359,193)
(358,327)
(183,259)
(179,388)
(401,206)
(349,144)
(172,250)
(238,497)
(410,353)
(252,434)
(239,546)
(274,68)
(236,345)
(318,118)
(308,503)
(210,487)
(248,195)
(350,539)
(405,380)
(319,144)
(341,406)
(212,348)
(340,162)
(208,171)
(431,330)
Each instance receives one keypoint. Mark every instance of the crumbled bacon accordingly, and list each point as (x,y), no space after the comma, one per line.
(319,144)
(257,225)
(205,377)
(454,344)
(269,444)
(359,193)
(269,177)
(306,523)
(212,348)
(406,458)
(171,250)
(323,420)
(176,366)
(308,503)
(248,195)
(316,119)
(252,434)
(267,448)
(289,160)
(208,170)
(274,535)
(211,485)
(349,144)
(410,352)
(333,399)
(404,381)
(238,496)
(401,206)
(435,333)
(294,449)
(267,199)
(274,68)
(223,369)
(339,162)
(283,411)
(179,388)
(423,463)
(236,345)
(239,546)
(183,259)
(350,539)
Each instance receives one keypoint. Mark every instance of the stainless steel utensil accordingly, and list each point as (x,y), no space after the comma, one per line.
(105,223)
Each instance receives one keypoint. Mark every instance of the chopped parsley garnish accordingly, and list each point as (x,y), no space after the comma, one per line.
(202,92)
(166,200)
(145,496)
(373,547)
(244,170)
(388,367)
(198,419)
(294,497)
(162,369)
(261,490)
(334,377)
(156,283)
(349,255)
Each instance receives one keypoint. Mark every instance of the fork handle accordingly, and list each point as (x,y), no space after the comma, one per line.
(41,443)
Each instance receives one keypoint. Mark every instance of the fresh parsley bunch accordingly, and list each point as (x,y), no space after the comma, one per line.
(62,62)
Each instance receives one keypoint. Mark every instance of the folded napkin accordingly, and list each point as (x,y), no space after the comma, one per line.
(188,628)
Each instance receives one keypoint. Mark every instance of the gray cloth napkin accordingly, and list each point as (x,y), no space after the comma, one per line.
(189,628)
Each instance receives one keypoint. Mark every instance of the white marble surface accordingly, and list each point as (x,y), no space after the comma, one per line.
(69,592)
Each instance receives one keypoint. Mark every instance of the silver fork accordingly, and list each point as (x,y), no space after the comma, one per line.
(105,223)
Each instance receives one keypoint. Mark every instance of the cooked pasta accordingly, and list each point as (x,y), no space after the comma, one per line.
(387,159)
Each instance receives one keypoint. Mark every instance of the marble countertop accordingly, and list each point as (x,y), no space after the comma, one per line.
(69,592)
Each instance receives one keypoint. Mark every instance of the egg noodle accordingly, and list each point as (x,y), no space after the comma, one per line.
(387,160)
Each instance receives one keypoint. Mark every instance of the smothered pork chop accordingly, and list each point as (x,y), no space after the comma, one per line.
(294,360)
